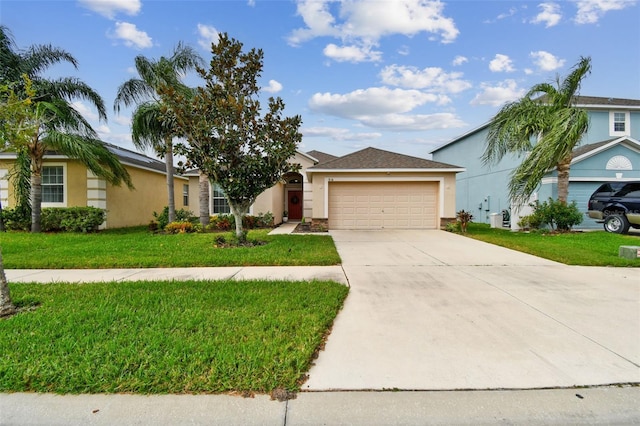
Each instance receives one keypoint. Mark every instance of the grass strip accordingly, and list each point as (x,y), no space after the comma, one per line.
(139,248)
(597,248)
(166,336)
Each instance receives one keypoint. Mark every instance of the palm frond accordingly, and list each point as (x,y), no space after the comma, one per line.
(148,130)
(131,92)
(92,153)
(71,88)
(39,58)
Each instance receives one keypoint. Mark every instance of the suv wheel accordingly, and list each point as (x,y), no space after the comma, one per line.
(616,223)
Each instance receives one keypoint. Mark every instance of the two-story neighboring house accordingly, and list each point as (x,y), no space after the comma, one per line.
(609,151)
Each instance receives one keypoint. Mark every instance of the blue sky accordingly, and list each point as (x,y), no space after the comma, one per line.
(400,75)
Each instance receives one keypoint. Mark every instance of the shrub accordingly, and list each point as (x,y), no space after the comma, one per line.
(463,219)
(556,215)
(181,227)
(452,227)
(17,219)
(226,222)
(73,219)
(57,219)
(182,215)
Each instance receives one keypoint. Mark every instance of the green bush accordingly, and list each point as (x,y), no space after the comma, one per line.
(181,227)
(17,219)
(57,219)
(555,214)
(182,215)
(226,222)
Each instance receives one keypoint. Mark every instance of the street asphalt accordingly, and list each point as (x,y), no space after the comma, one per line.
(437,329)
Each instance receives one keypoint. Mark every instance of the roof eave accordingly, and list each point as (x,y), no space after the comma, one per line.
(604,148)
(423,170)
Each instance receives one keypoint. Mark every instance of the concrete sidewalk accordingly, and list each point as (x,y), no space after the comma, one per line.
(290,273)
(593,406)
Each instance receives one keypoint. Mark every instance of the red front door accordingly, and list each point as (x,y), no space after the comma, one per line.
(295,205)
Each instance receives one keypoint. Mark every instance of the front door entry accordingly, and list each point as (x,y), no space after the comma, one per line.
(295,204)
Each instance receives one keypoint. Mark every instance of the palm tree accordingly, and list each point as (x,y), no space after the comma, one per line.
(549,114)
(55,125)
(6,305)
(150,127)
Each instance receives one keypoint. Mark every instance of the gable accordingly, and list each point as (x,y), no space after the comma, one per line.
(373,159)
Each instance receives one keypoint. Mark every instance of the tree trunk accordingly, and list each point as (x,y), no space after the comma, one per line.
(563,179)
(168,159)
(203,197)
(36,200)
(6,306)
(239,211)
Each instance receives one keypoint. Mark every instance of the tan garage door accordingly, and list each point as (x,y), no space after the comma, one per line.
(383,205)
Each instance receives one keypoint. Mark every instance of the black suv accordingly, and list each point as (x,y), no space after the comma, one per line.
(617,204)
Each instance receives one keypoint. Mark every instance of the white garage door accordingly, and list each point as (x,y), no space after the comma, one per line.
(383,205)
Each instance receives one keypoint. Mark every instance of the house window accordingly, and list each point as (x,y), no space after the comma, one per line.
(53,184)
(619,123)
(220,204)
(185,195)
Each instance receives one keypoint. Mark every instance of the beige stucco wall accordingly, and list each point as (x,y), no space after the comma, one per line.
(447,190)
(127,207)
(270,201)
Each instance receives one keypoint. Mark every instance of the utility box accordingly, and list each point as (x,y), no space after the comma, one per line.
(495,220)
(629,252)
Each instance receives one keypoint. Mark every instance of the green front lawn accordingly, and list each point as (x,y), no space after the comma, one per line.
(139,248)
(597,248)
(165,337)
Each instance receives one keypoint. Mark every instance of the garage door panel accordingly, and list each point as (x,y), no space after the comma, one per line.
(377,205)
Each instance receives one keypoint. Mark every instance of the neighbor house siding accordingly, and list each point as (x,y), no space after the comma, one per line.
(480,189)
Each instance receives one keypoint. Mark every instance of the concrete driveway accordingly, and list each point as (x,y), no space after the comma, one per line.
(432,310)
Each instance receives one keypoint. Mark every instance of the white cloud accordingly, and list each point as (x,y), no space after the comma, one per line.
(368,21)
(208,35)
(109,8)
(404,50)
(122,120)
(417,122)
(372,101)
(352,53)
(590,11)
(545,61)
(273,87)
(431,78)
(132,36)
(384,108)
(459,60)
(512,11)
(87,112)
(505,91)
(338,134)
(550,15)
(501,63)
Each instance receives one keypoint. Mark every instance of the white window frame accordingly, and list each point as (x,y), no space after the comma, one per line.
(64,185)
(185,195)
(216,188)
(612,124)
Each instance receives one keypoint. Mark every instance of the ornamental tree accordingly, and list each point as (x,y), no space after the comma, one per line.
(227,137)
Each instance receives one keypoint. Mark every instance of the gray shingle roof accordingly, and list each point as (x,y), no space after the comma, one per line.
(595,100)
(581,150)
(373,158)
(322,157)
